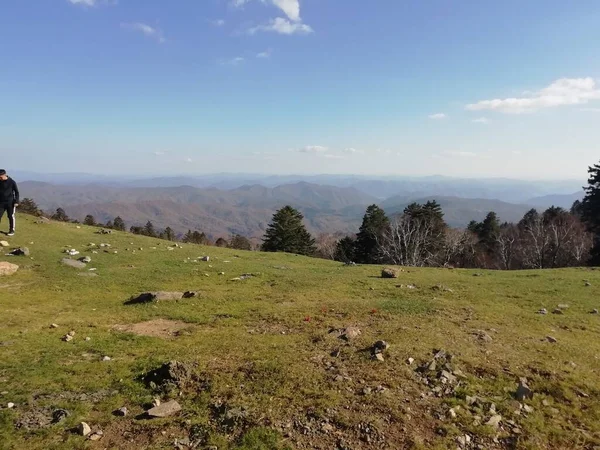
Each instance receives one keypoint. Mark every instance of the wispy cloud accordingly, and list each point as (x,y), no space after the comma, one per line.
(437,116)
(352,151)
(482,120)
(160,153)
(281,25)
(146,30)
(218,22)
(233,61)
(91,3)
(264,55)
(315,149)
(590,110)
(291,8)
(563,92)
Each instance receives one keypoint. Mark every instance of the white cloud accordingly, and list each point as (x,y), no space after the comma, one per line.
(145,29)
(563,92)
(218,22)
(266,54)
(482,120)
(291,8)
(233,61)
(315,149)
(438,116)
(188,160)
(283,26)
(92,3)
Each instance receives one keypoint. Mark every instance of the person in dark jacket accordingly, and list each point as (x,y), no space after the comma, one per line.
(9,200)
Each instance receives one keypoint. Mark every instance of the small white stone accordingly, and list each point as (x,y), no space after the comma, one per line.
(10,405)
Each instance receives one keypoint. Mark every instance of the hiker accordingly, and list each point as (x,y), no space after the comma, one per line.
(9,200)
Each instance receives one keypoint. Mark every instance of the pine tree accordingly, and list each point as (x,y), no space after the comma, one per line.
(286,233)
(344,250)
(89,220)
(590,210)
(60,216)
(149,229)
(119,224)
(28,206)
(169,234)
(375,224)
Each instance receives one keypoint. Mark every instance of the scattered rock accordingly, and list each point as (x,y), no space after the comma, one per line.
(7,269)
(483,336)
(380,347)
(106,358)
(378,357)
(121,412)
(67,338)
(594,311)
(96,436)
(205,258)
(558,311)
(73,263)
(59,415)
(588,284)
(103,231)
(494,421)
(85,260)
(528,409)
(551,339)
(350,333)
(54,325)
(543,311)
(562,306)
(21,251)
(4,244)
(71,252)
(165,409)
(410,361)
(83,429)
(523,391)
(150,297)
(10,405)
(389,273)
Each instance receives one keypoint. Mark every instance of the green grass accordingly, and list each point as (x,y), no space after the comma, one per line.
(263,345)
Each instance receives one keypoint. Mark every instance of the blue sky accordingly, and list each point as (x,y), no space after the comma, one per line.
(469,88)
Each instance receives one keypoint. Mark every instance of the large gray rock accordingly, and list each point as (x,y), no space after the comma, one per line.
(350,333)
(83,429)
(7,268)
(73,263)
(165,409)
(389,273)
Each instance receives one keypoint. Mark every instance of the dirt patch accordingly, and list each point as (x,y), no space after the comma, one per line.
(161,328)
(176,375)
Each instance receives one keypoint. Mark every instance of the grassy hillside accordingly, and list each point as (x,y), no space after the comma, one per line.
(261,367)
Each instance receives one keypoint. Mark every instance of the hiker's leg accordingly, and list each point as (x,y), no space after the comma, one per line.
(12,221)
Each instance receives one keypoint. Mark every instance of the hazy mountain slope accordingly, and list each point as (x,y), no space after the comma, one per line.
(458,212)
(564,201)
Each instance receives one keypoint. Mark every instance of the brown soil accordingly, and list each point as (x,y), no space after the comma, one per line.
(161,328)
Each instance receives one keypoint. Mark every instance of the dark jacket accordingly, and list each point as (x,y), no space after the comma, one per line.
(9,192)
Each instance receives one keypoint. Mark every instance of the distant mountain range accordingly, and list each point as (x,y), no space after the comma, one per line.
(247,209)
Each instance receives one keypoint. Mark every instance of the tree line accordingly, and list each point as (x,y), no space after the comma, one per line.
(419,236)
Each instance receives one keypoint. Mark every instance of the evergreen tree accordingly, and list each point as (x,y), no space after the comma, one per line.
(60,216)
(168,234)
(119,224)
(590,210)
(149,229)
(576,208)
(89,220)
(28,206)
(195,237)
(286,233)
(344,250)
(374,225)
(240,243)
(109,224)
(489,231)
(222,243)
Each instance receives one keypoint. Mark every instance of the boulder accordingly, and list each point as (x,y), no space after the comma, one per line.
(73,263)
(350,333)
(153,297)
(523,391)
(83,429)
(165,409)
(7,269)
(389,272)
